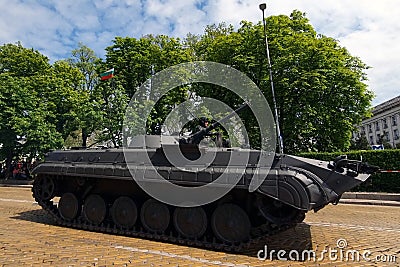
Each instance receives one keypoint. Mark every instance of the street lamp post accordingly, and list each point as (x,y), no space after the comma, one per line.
(280,139)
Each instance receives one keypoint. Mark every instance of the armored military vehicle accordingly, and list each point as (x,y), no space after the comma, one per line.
(94,189)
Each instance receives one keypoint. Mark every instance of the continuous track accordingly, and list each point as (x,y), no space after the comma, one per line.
(207,242)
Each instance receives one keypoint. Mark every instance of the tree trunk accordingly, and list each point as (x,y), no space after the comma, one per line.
(84,138)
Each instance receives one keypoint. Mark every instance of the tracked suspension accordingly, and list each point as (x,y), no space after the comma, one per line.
(73,217)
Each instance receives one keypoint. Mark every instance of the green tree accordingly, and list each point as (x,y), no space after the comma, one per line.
(39,102)
(18,61)
(113,102)
(384,140)
(27,123)
(136,60)
(89,114)
(360,143)
(66,97)
(320,88)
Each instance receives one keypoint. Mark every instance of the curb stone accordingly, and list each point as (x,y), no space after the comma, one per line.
(371,198)
(360,198)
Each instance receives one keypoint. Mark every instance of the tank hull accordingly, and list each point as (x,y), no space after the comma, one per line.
(97,192)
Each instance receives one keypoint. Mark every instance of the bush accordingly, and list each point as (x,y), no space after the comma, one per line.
(385,159)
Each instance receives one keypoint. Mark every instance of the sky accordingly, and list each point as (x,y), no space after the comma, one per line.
(368,29)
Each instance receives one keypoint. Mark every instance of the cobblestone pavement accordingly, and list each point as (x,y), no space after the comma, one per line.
(28,237)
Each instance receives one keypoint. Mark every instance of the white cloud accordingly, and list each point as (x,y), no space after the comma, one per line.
(368,29)
(173,17)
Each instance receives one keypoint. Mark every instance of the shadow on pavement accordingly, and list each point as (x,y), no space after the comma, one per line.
(38,216)
(297,238)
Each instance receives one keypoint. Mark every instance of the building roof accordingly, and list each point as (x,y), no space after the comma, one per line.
(387,105)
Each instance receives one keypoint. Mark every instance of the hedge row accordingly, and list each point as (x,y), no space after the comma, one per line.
(384,159)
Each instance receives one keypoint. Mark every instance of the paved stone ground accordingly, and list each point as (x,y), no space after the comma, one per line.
(28,237)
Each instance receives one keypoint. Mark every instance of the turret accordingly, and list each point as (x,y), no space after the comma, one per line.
(198,136)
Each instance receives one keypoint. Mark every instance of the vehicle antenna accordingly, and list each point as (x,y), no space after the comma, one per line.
(278,131)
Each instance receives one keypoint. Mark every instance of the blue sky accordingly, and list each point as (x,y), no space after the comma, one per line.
(368,29)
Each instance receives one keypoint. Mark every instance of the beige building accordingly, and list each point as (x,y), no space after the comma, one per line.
(385,123)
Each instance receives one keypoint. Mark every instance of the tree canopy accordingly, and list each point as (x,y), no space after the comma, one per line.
(320,87)
(37,102)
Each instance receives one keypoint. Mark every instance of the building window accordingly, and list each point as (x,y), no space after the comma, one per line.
(386,136)
(396,134)
(384,123)
(370,128)
(371,140)
(394,120)
(378,138)
(377,127)
(363,130)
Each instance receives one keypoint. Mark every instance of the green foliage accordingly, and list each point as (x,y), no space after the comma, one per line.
(39,102)
(387,159)
(66,97)
(111,97)
(361,143)
(18,61)
(383,140)
(319,86)
(135,60)
(27,121)
(89,113)
(84,59)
